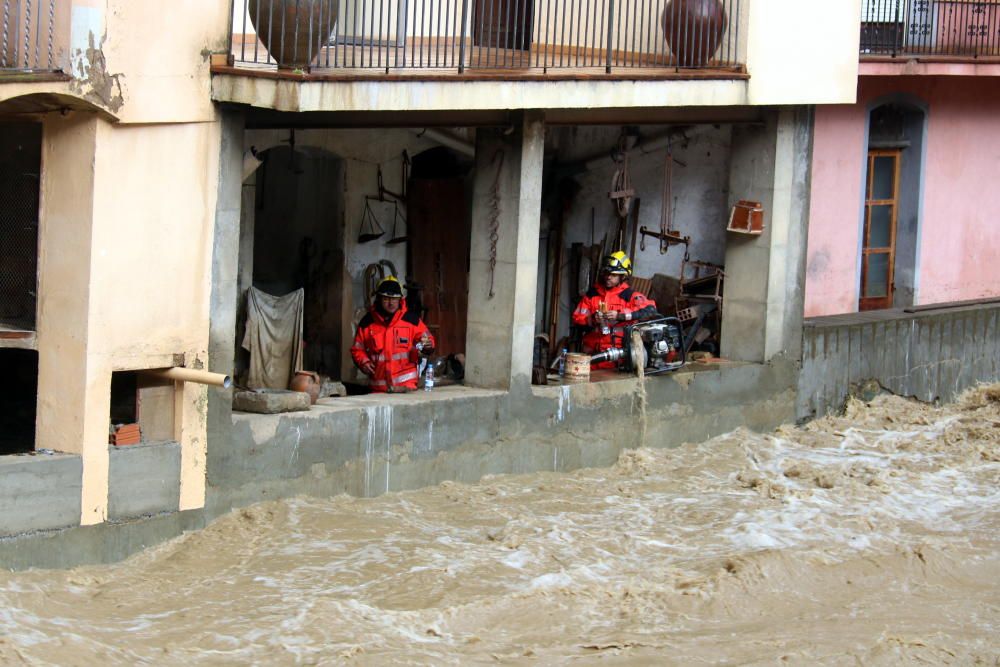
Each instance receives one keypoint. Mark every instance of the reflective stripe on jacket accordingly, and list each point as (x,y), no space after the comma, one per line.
(623,299)
(390,346)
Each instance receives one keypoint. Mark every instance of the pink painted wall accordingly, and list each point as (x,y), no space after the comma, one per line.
(959,248)
(834,206)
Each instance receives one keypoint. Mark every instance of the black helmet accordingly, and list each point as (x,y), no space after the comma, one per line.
(390,287)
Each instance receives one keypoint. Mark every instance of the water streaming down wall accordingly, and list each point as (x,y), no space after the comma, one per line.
(376,442)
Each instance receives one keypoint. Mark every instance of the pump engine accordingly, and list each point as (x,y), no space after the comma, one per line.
(655,346)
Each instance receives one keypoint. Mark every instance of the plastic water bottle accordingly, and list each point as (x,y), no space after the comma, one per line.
(429,377)
(562,362)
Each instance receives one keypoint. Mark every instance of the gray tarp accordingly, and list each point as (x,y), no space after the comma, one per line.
(273,337)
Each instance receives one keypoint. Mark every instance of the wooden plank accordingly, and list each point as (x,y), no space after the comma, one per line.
(965,349)
(881,351)
(978,335)
(918,358)
(854,354)
(840,372)
(904,333)
(868,351)
(991,347)
(947,366)
(932,363)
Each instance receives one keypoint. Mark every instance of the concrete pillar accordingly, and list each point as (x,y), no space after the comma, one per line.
(762,314)
(507,199)
(69,391)
(224,296)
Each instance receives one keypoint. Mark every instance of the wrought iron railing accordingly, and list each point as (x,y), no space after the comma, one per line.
(483,35)
(34,36)
(964,28)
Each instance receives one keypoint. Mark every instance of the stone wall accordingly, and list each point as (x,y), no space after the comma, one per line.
(931,355)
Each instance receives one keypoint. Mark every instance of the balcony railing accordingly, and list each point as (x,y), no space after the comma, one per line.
(959,28)
(499,36)
(35,36)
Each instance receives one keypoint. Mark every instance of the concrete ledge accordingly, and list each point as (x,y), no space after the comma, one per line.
(102,543)
(144,479)
(367,445)
(39,492)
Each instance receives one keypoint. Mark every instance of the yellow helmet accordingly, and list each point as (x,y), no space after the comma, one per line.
(617,262)
(389,287)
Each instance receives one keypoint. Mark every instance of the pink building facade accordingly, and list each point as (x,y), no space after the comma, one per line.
(943,126)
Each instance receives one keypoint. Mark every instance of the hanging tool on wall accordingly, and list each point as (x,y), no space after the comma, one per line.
(404,177)
(397,217)
(371,223)
(621,181)
(498,158)
(667,236)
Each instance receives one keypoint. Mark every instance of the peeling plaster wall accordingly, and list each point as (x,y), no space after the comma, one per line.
(148,62)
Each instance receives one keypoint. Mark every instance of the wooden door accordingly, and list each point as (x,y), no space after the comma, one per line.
(878,253)
(503,24)
(440,232)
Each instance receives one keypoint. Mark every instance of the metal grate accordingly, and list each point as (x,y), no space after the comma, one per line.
(397,36)
(20,160)
(34,36)
(950,28)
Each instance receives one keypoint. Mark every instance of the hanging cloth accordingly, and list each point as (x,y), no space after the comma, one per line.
(273,337)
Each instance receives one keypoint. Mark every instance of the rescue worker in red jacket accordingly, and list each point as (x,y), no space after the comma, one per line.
(390,340)
(609,305)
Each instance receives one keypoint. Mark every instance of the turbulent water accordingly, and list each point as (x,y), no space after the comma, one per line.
(870,538)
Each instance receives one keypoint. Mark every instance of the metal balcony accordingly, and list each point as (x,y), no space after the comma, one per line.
(34,38)
(487,38)
(949,29)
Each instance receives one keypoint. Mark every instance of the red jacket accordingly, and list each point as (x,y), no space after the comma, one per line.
(630,303)
(390,346)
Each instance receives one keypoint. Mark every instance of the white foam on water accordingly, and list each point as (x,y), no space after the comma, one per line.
(709,545)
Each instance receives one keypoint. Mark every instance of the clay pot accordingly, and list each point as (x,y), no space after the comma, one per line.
(308,383)
(693,30)
(283,27)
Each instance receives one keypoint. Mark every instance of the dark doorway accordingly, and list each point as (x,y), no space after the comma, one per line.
(20,165)
(440,233)
(18,398)
(296,243)
(503,24)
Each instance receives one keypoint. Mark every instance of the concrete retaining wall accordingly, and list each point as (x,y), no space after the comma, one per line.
(144,479)
(931,355)
(366,446)
(39,492)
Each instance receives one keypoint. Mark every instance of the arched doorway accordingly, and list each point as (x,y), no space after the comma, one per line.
(893,186)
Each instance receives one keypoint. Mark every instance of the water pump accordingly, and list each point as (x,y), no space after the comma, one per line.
(655,346)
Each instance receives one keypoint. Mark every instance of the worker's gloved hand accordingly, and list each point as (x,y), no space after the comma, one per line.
(426,346)
(368,368)
(612,316)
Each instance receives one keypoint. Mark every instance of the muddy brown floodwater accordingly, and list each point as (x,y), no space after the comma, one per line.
(870,538)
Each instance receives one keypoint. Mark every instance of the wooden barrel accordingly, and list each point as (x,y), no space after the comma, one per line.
(578,366)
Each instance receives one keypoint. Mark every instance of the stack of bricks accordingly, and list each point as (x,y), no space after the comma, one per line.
(125,434)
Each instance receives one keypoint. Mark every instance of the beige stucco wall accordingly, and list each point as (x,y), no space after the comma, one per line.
(124,270)
(126,225)
(803,52)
